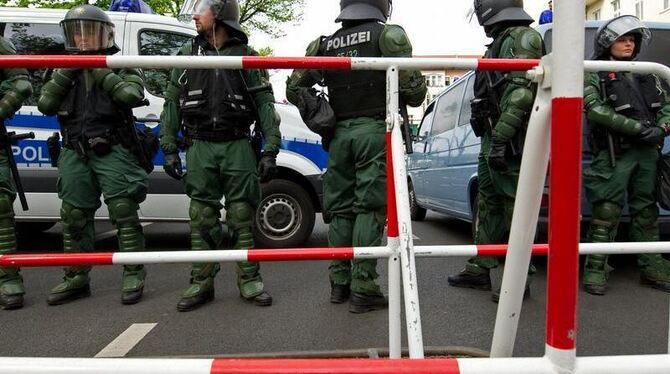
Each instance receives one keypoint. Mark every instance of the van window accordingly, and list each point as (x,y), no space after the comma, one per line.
(447,110)
(466,111)
(34,39)
(427,120)
(159,43)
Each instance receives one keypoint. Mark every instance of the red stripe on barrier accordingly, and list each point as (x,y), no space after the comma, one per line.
(501,249)
(52,61)
(391,206)
(335,366)
(564,210)
(507,64)
(56,259)
(332,63)
(301,254)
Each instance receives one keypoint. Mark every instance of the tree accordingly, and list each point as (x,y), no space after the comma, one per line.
(263,15)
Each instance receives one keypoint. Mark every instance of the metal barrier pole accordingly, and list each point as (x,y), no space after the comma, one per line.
(565,185)
(408,261)
(393,243)
(524,221)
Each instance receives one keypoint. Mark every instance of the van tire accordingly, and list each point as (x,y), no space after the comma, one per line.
(285,216)
(416,212)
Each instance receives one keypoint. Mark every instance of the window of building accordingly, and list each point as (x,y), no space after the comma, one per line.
(596,14)
(666,4)
(34,39)
(616,8)
(159,43)
(639,9)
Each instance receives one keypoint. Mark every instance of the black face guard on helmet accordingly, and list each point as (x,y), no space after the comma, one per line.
(88,29)
(226,12)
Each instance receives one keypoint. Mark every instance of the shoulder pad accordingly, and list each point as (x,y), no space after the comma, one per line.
(393,41)
(6,47)
(314,47)
(527,43)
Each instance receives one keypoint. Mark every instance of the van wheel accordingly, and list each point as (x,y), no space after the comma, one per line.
(285,217)
(416,212)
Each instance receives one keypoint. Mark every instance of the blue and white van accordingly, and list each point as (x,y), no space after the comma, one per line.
(290,202)
(442,171)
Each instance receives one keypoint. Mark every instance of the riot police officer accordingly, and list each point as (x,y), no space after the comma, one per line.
(629,116)
(14,90)
(355,183)
(500,113)
(94,108)
(214,109)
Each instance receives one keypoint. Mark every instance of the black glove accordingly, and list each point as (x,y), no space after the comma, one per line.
(652,135)
(267,167)
(496,159)
(172,166)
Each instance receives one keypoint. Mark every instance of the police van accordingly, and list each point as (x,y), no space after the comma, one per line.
(286,215)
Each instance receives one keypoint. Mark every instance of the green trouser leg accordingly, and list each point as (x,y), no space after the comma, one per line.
(78,236)
(123,214)
(340,234)
(206,234)
(496,205)
(601,230)
(11,282)
(239,217)
(644,228)
(368,232)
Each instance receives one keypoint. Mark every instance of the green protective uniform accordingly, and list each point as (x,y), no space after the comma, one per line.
(355,182)
(15,88)
(83,175)
(631,180)
(497,189)
(219,169)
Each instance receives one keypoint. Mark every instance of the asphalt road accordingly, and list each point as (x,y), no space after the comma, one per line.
(630,319)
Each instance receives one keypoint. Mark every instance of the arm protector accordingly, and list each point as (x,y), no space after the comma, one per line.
(269,119)
(54,91)
(126,87)
(663,115)
(16,87)
(394,42)
(171,115)
(303,78)
(514,113)
(601,114)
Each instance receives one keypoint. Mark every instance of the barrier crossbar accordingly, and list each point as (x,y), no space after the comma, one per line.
(559,98)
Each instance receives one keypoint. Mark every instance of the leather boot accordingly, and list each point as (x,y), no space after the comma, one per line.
(469,279)
(132,284)
(362,303)
(339,293)
(75,285)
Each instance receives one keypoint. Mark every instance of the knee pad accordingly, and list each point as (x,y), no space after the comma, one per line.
(123,212)
(239,215)
(74,219)
(607,211)
(203,216)
(6,208)
(604,220)
(647,217)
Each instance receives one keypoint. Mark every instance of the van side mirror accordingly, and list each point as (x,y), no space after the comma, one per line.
(422,137)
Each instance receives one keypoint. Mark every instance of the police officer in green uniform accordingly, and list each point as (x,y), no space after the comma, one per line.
(93,108)
(214,109)
(355,183)
(500,113)
(629,116)
(15,88)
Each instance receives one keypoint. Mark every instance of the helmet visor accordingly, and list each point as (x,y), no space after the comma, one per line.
(87,35)
(622,26)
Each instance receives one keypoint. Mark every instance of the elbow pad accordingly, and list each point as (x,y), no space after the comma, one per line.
(605,117)
(14,98)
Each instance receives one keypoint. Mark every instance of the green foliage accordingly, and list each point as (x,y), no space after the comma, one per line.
(266,16)
(266,51)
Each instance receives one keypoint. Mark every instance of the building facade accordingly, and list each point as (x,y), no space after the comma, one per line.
(647,10)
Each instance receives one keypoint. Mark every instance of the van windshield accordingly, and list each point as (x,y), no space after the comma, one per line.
(655,51)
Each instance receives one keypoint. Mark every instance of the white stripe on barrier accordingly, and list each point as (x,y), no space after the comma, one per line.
(372,252)
(165,257)
(35,365)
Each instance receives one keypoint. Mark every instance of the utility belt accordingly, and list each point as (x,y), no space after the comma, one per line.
(100,145)
(377,116)
(222,135)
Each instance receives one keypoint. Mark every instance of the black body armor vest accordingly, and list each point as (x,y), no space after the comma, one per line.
(637,98)
(88,114)
(214,102)
(355,93)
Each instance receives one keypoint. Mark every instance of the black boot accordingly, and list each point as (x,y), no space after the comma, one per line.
(8,302)
(339,293)
(362,303)
(69,295)
(187,304)
(131,297)
(467,279)
(495,295)
(262,299)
